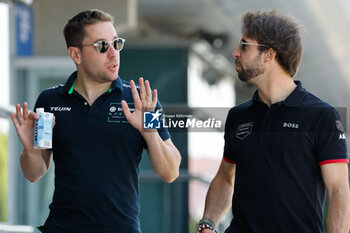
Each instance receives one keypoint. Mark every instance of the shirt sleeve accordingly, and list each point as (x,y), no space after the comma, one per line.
(40,103)
(331,146)
(163,132)
(228,151)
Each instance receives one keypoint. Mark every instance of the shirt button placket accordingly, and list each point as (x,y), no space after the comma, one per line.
(267,123)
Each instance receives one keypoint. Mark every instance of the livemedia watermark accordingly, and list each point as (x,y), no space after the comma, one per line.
(213,119)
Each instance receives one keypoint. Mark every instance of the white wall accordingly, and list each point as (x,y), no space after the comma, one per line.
(51,16)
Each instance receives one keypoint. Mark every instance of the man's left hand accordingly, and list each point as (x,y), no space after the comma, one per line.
(144,101)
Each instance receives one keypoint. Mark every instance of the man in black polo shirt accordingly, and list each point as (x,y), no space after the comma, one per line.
(97,139)
(283,148)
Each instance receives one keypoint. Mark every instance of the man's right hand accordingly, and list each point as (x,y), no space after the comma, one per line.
(34,162)
(24,123)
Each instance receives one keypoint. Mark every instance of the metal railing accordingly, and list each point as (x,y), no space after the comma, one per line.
(6,110)
(16,228)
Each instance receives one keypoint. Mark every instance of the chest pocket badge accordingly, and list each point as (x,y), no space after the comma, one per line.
(244,130)
(116,114)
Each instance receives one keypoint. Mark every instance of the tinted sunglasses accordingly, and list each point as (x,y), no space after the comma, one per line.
(242,44)
(102,45)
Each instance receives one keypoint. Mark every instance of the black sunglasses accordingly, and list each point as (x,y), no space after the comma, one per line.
(102,45)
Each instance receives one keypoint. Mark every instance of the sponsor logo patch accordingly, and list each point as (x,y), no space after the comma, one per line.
(290,125)
(116,114)
(244,130)
(339,125)
(60,109)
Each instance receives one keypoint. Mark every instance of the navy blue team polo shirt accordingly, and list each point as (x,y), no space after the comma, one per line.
(97,155)
(278,151)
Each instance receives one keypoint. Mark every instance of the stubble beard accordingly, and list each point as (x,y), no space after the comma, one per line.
(254,69)
(100,75)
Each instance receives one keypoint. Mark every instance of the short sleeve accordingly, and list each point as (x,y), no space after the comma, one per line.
(228,151)
(163,132)
(40,103)
(331,146)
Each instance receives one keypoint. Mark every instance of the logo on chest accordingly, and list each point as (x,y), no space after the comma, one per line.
(244,130)
(290,125)
(60,109)
(116,114)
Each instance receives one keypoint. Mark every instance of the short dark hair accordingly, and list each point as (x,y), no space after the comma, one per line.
(279,32)
(74,31)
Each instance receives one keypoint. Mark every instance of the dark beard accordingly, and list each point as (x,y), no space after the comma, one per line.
(254,69)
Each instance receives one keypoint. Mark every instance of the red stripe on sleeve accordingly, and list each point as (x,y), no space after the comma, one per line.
(334,161)
(229,161)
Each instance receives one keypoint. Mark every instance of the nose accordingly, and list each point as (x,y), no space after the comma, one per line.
(111,52)
(236,52)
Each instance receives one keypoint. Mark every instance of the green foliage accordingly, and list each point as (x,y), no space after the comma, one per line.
(3,177)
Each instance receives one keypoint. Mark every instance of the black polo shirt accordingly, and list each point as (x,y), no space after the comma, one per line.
(278,151)
(97,155)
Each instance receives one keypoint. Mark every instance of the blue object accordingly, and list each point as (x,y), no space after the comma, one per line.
(24,30)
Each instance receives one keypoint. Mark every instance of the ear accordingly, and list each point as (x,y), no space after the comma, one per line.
(270,55)
(75,54)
